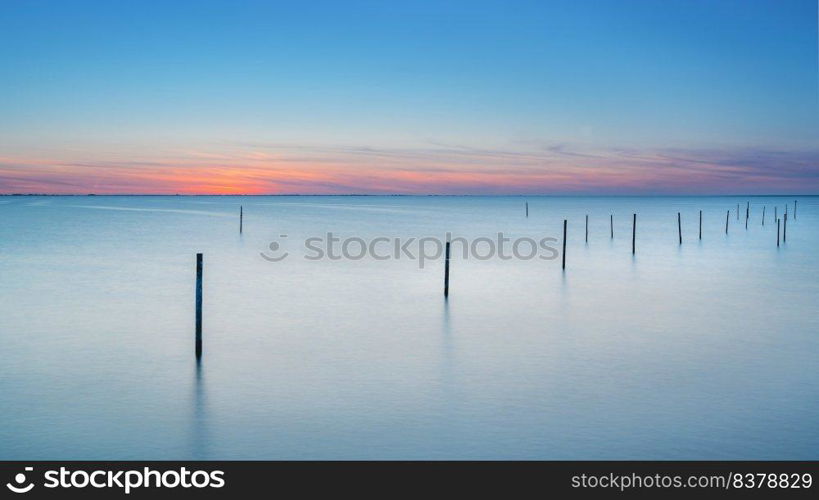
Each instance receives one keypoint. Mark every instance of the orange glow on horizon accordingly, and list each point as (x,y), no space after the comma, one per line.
(396,172)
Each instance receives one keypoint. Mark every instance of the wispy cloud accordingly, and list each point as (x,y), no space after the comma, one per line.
(257,168)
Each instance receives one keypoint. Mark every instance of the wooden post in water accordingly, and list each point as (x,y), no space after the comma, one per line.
(446,272)
(785,229)
(587,228)
(679,226)
(777,233)
(727,214)
(611,222)
(241,216)
(794,209)
(776,213)
(564,243)
(737,211)
(634,235)
(527,209)
(747,214)
(700,224)
(198,306)
(763,215)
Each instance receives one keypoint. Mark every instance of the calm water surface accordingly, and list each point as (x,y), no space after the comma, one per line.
(705,350)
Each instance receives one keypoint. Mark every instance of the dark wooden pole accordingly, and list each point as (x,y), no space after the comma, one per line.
(728,213)
(587,228)
(611,222)
(763,215)
(776,213)
(794,209)
(241,216)
(737,211)
(564,243)
(446,272)
(527,209)
(747,214)
(777,232)
(634,235)
(679,226)
(785,229)
(700,224)
(198,306)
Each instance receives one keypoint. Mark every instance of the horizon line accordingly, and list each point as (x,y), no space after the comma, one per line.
(509,195)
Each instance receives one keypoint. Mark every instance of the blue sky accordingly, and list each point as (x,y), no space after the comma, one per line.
(115,95)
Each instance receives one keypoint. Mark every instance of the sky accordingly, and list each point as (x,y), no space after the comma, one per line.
(438,97)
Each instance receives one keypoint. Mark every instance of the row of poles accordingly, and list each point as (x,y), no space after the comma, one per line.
(199,259)
(783,223)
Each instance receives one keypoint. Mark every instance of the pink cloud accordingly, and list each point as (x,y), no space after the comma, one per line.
(278,169)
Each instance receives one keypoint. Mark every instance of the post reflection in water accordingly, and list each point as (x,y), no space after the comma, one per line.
(447,351)
(199,431)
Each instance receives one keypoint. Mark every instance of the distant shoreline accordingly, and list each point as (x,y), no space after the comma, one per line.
(426,195)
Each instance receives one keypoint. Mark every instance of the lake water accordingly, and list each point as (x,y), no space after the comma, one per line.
(705,350)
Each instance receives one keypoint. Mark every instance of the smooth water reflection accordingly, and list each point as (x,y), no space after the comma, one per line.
(700,350)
